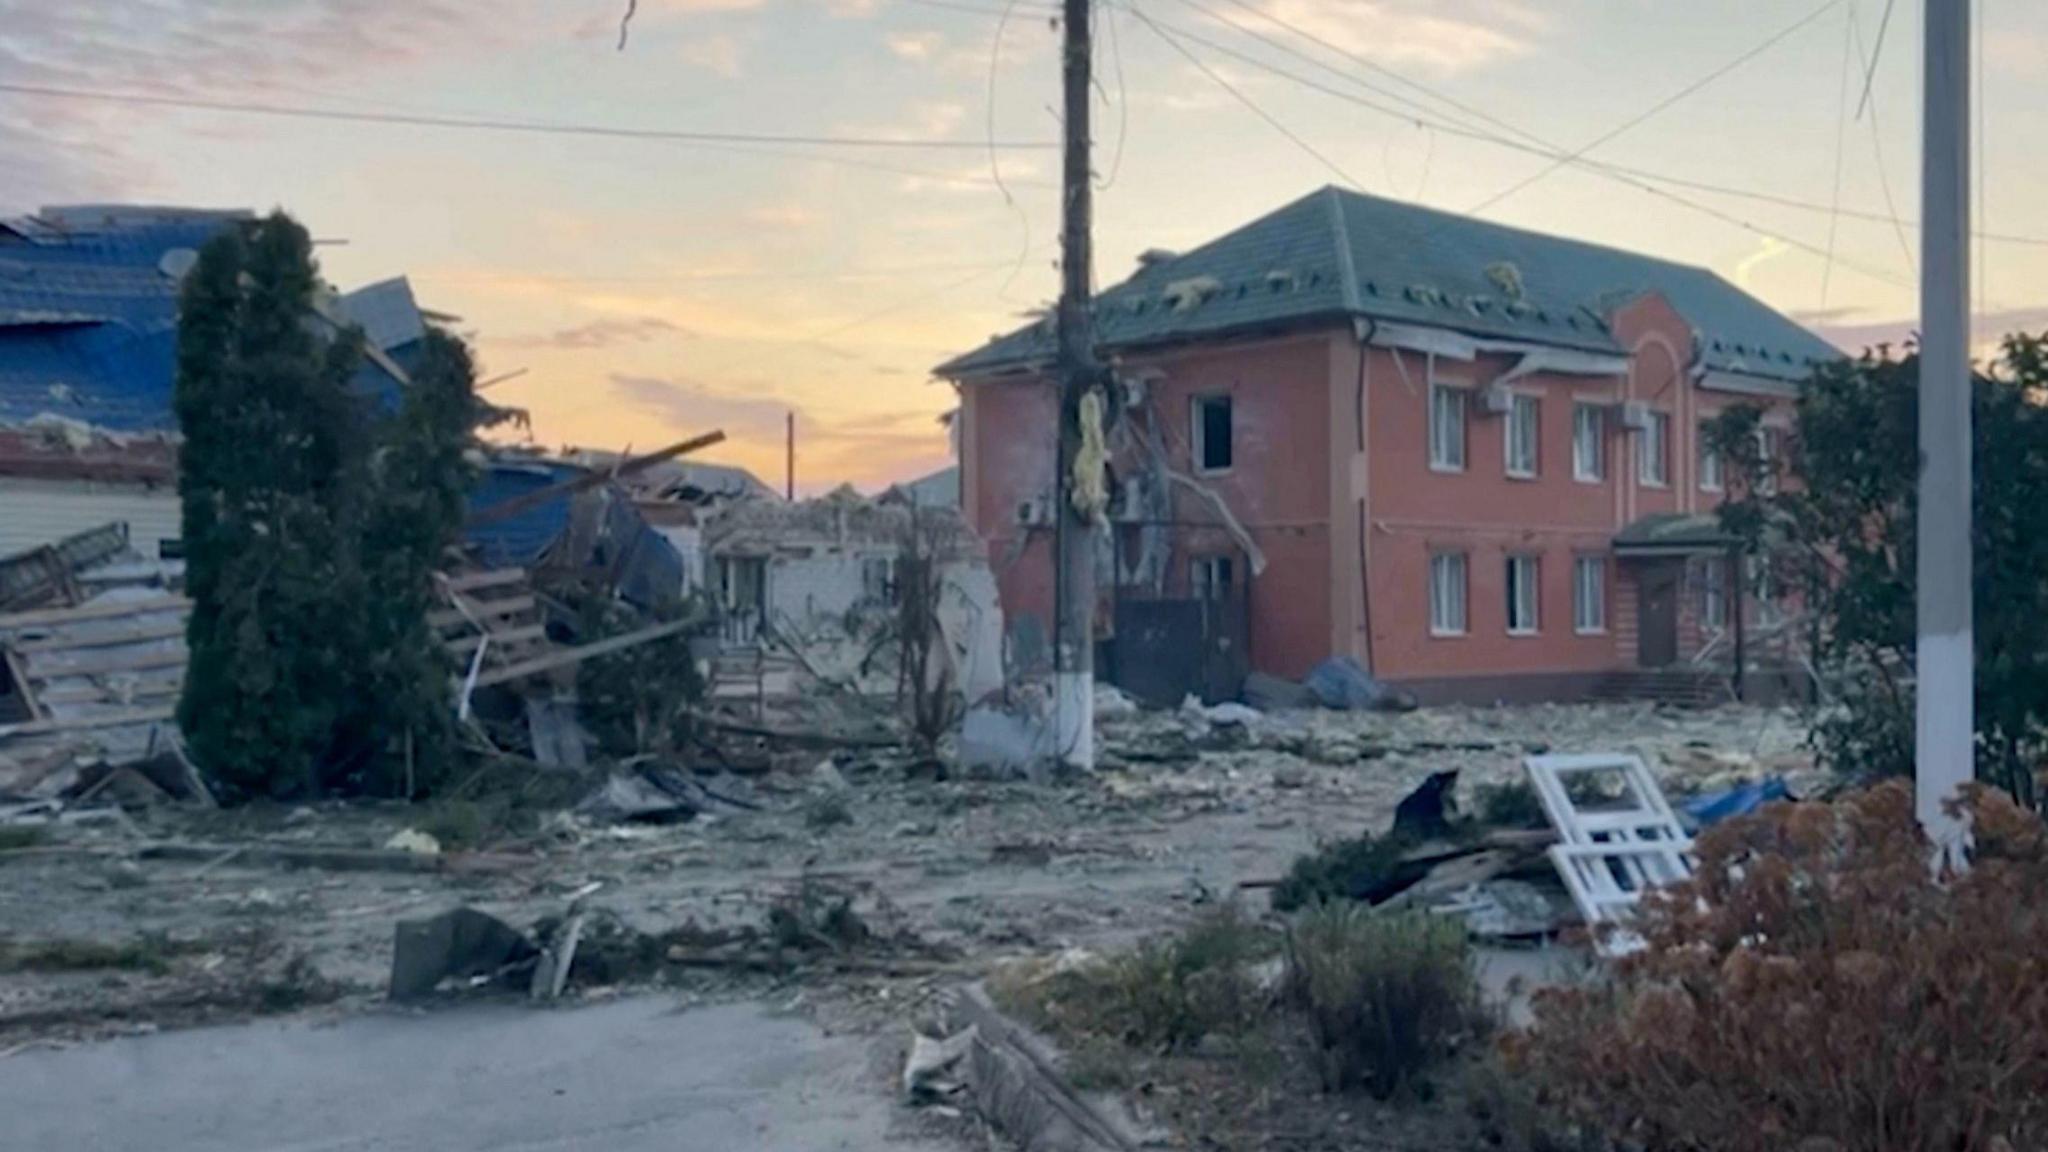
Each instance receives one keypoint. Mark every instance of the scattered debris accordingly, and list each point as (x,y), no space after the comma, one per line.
(932,1070)
(1342,684)
(460,944)
(1272,694)
(415,841)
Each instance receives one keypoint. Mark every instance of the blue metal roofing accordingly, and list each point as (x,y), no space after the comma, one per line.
(1335,254)
(89,314)
(519,541)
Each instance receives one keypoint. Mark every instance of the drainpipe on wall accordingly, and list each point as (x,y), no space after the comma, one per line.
(1364,328)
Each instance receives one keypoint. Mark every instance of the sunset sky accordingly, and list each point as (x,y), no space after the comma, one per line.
(653,288)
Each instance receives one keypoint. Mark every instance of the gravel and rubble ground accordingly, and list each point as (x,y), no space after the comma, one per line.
(976,871)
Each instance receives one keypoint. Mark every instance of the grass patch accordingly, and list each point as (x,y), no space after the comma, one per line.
(151,954)
(1168,993)
(1386,996)
(828,811)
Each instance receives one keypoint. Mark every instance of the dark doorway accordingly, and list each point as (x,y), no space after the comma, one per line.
(1191,636)
(1657,623)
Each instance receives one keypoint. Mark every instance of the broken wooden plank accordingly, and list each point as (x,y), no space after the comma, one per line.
(519,505)
(125,694)
(333,859)
(493,578)
(133,634)
(45,617)
(565,657)
(464,645)
(81,723)
(49,669)
(474,611)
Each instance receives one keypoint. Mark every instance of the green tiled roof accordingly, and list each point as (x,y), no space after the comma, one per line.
(1335,254)
(1674,531)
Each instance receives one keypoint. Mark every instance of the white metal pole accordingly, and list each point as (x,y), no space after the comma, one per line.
(1944,731)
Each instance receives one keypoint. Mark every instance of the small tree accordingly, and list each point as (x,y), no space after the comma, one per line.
(270,477)
(924,682)
(1844,535)
(420,479)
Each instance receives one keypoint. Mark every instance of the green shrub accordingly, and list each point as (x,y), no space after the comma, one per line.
(1815,986)
(1358,869)
(1386,996)
(1169,992)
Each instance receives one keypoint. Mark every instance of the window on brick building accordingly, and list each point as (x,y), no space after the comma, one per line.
(1212,433)
(1589,594)
(1589,442)
(1709,462)
(1524,425)
(1446,428)
(1209,577)
(1523,598)
(1447,594)
(1653,465)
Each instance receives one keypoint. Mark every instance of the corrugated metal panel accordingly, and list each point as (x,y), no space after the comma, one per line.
(38,512)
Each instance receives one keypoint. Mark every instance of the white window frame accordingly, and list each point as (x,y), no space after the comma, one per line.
(1589,456)
(1654,445)
(1707,462)
(1198,435)
(1439,454)
(1589,605)
(1529,587)
(1449,594)
(1510,432)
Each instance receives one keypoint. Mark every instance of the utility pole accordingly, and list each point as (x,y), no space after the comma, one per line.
(1944,730)
(1074,578)
(789,457)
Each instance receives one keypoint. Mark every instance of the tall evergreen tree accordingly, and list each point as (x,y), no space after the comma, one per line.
(420,479)
(270,478)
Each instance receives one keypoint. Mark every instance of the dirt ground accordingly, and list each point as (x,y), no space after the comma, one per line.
(977,871)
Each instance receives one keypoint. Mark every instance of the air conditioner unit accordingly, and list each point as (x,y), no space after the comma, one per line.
(1635,414)
(1496,400)
(1034,513)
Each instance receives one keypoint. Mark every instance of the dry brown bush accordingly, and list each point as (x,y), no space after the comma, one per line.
(1816,987)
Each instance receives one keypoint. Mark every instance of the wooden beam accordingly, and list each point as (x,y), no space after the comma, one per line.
(471,581)
(518,505)
(80,723)
(568,656)
(49,616)
(118,662)
(481,610)
(134,634)
(464,645)
(126,696)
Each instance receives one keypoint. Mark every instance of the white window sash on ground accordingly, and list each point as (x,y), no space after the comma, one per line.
(1447,594)
(1709,463)
(1523,599)
(1654,460)
(1446,428)
(1522,428)
(1589,443)
(1589,594)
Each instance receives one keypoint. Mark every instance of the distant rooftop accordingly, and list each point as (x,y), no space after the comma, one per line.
(1335,255)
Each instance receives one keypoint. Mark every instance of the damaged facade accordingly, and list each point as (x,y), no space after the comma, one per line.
(1468,456)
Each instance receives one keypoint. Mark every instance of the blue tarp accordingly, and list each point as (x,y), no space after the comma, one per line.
(1741,800)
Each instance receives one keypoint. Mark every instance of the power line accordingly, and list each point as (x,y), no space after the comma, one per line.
(1884,23)
(1827,272)
(814,274)
(1247,101)
(1123,101)
(517,126)
(1884,179)
(1658,107)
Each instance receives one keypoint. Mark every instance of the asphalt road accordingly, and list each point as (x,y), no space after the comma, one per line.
(620,1077)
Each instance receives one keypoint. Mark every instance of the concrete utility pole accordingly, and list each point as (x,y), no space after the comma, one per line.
(1945,732)
(1074,579)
